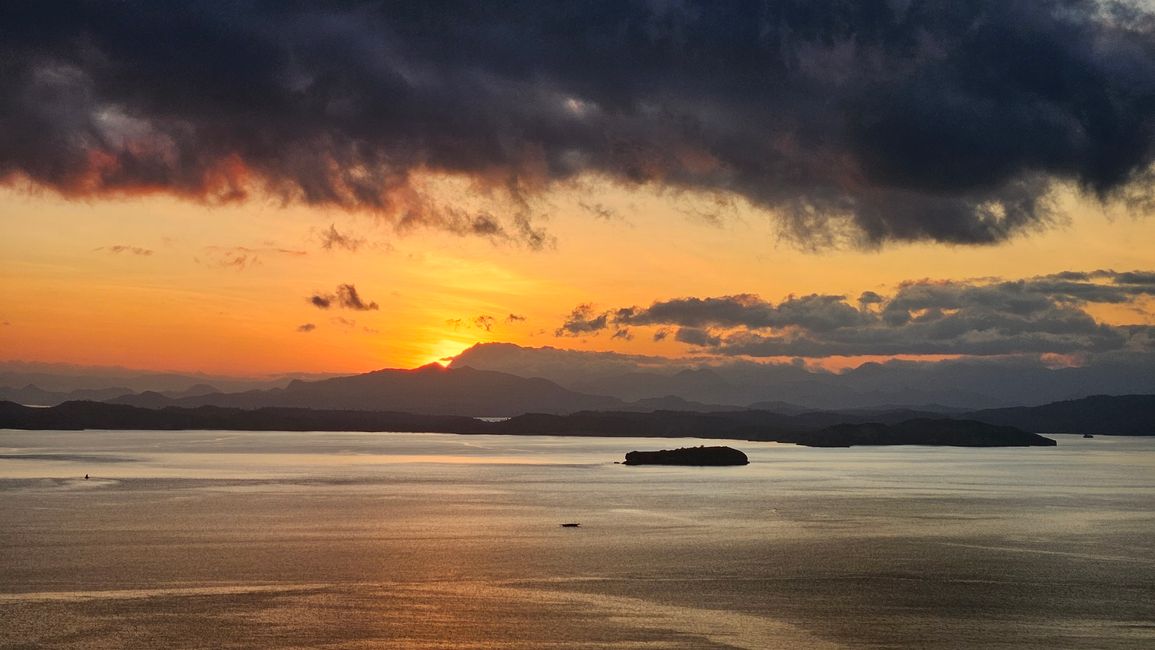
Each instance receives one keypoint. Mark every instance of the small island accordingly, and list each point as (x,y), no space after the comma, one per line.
(712,456)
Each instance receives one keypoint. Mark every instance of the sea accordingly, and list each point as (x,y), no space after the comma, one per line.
(226,539)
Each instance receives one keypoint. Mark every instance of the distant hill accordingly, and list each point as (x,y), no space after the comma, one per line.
(97,415)
(430,389)
(737,425)
(935,432)
(1126,415)
(65,378)
(950,385)
(34,395)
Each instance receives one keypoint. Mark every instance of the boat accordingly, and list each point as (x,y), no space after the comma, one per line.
(570,525)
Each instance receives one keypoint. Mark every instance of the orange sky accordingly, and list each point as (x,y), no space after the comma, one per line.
(223,289)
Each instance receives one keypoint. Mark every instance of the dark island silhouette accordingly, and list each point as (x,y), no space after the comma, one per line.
(806,429)
(696,456)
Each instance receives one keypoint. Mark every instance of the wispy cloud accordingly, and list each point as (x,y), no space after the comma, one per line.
(240,258)
(307,327)
(130,250)
(333,239)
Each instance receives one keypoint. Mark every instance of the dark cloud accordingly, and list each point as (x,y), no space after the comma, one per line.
(515,318)
(1040,315)
(121,248)
(348,298)
(345,297)
(307,327)
(622,333)
(583,320)
(933,120)
(696,336)
(334,239)
(661,334)
(484,322)
(814,312)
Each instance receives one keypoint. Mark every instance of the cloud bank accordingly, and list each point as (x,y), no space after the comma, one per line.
(1041,315)
(903,120)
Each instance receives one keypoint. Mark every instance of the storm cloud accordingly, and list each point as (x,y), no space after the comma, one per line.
(1041,315)
(892,120)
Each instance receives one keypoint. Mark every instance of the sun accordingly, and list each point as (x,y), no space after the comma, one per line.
(443,351)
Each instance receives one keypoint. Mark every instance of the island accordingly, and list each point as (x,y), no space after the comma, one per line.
(932,432)
(712,456)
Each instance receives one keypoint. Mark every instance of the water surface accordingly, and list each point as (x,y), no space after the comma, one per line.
(278,539)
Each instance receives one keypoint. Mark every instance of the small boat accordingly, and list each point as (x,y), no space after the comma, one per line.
(570,525)
(1087,435)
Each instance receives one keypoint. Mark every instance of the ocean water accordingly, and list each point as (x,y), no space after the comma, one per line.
(363,540)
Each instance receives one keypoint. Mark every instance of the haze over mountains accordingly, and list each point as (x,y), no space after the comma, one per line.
(430,389)
(501,379)
(962,384)
(636,396)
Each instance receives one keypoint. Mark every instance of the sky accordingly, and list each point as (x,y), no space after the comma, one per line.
(261,187)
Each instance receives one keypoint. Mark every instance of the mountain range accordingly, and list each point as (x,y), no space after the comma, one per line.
(430,389)
(504,380)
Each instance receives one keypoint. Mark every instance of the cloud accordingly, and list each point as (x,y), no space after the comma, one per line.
(515,318)
(348,298)
(132,250)
(938,120)
(598,210)
(484,322)
(240,258)
(1040,315)
(345,297)
(347,323)
(696,336)
(583,320)
(332,239)
(307,327)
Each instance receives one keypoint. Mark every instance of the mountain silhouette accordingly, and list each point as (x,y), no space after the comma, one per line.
(429,389)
